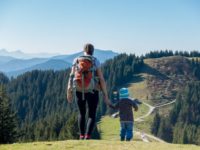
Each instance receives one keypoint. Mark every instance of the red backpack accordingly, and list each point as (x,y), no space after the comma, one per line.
(85,77)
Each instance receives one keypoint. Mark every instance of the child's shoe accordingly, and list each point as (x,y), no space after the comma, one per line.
(122,138)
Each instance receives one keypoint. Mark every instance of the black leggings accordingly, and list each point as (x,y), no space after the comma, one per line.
(92,102)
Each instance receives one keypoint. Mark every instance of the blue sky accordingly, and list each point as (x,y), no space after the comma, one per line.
(132,26)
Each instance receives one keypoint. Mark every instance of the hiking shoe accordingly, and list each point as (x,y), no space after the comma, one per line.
(81,137)
(87,137)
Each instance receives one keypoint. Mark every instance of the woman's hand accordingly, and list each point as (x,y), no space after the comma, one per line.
(107,101)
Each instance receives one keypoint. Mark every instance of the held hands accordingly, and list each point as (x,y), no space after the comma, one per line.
(111,106)
(107,101)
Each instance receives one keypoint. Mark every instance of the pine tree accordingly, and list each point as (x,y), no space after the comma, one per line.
(95,133)
(8,122)
(70,130)
(165,130)
(156,124)
(3,79)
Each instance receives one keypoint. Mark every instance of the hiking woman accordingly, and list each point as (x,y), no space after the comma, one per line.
(83,96)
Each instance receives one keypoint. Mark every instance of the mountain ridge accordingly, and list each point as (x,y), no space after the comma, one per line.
(21,55)
(15,66)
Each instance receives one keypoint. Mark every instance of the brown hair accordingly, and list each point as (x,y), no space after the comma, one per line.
(89,49)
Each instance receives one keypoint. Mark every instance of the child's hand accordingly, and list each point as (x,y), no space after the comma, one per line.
(136,108)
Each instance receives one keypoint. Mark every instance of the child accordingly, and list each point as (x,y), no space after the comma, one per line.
(125,105)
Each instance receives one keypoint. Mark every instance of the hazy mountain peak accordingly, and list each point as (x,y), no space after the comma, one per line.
(19,54)
(18,51)
(102,55)
(3,50)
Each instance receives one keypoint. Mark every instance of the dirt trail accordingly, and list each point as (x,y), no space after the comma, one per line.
(151,109)
(144,136)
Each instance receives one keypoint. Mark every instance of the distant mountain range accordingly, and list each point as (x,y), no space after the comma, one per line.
(21,55)
(102,55)
(16,63)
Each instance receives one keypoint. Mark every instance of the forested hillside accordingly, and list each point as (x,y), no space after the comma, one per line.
(39,99)
(167,75)
(183,123)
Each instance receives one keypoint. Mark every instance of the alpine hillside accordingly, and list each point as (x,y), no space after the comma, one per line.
(39,99)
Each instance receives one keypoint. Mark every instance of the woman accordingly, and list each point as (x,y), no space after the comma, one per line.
(91,98)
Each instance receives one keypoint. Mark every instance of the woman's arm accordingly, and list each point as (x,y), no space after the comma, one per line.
(70,86)
(103,87)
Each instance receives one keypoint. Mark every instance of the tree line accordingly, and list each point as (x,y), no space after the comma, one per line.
(167,53)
